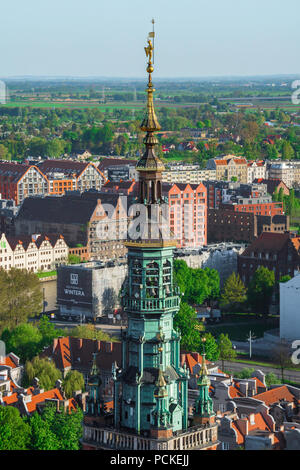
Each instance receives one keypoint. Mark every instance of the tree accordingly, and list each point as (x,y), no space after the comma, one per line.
(44,370)
(73,381)
(287,151)
(211,347)
(271,379)
(234,292)
(227,353)
(48,331)
(56,431)
(74,259)
(246,373)
(21,296)
(3,152)
(260,290)
(24,341)
(90,332)
(14,431)
(282,356)
(285,278)
(185,321)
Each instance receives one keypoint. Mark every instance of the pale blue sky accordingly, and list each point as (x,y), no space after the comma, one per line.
(194,38)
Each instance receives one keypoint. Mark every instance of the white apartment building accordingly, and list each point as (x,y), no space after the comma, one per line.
(188,174)
(289,309)
(284,171)
(256,170)
(33,253)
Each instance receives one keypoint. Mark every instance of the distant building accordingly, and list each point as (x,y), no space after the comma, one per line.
(94,220)
(69,175)
(115,169)
(89,290)
(279,252)
(18,181)
(273,185)
(229,167)
(70,353)
(184,173)
(187,213)
(225,225)
(34,253)
(255,170)
(289,309)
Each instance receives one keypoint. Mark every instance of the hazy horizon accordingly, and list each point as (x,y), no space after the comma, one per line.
(194,39)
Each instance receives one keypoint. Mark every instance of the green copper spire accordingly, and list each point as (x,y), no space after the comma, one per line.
(204,404)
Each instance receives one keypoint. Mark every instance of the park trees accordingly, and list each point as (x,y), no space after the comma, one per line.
(51,430)
(227,352)
(21,297)
(14,431)
(24,340)
(198,284)
(72,382)
(186,322)
(260,290)
(44,370)
(234,292)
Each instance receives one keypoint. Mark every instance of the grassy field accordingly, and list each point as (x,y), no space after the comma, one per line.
(46,274)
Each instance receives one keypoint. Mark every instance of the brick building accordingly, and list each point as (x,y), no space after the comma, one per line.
(70,175)
(187,213)
(273,185)
(279,252)
(93,220)
(227,225)
(18,181)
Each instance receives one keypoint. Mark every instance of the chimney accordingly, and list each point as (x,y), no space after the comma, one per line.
(98,345)
(244,388)
(243,425)
(79,343)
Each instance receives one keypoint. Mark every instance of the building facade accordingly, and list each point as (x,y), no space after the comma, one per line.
(18,181)
(33,253)
(150,392)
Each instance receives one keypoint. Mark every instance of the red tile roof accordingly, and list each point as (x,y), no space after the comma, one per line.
(275,395)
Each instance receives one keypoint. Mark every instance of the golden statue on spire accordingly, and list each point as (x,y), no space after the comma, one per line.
(149,50)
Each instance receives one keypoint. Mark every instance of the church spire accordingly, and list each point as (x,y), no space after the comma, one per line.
(203,411)
(150,161)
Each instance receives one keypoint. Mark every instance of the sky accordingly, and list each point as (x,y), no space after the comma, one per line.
(194,38)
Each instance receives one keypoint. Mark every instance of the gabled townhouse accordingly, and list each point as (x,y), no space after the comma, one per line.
(32,399)
(34,253)
(253,432)
(69,175)
(18,181)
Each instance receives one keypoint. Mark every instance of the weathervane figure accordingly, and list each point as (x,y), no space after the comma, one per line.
(149,50)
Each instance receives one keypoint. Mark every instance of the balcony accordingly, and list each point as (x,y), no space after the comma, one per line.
(152,305)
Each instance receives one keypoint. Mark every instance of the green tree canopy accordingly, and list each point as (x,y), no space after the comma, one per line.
(234,292)
(56,431)
(24,340)
(14,431)
(21,297)
(227,352)
(73,382)
(211,347)
(260,290)
(44,370)
(185,321)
